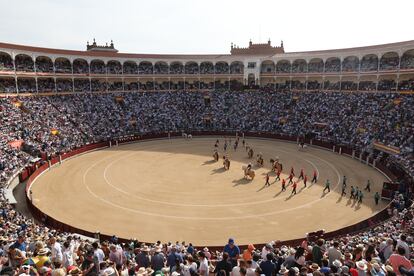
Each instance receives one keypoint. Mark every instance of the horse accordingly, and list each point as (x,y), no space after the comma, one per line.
(276,165)
(184,135)
(302,147)
(248,173)
(189,136)
(250,153)
(226,163)
(216,156)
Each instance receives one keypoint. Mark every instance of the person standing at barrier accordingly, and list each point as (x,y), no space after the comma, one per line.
(233,250)
(376,198)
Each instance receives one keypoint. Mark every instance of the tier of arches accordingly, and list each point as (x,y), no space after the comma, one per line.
(44,64)
(368,63)
(62,84)
(62,65)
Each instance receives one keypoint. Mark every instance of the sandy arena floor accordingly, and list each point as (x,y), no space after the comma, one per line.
(172,190)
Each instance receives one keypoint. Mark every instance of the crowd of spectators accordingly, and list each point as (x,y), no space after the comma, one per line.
(206,68)
(333,65)
(283,67)
(191,68)
(44,65)
(146,68)
(244,111)
(49,125)
(350,64)
(97,67)
(407,61)
(63,66)
(44,84)
(24,63)
(80,66)
(6,62)
(161,68)
(299,66)
(114,67)
(315,66)
(369,63)
(390,62)
(7,85)
(29,248)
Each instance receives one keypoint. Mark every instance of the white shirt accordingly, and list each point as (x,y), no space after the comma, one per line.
(99,255)
(57,252)
(235,271)
(264,253)
(204,267)
(334,254)
(250,271)
(67,258)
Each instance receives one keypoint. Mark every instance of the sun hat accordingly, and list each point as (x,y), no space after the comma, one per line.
(337,263)
(283,270)
(361,265)
(345,269)
(314,266)
(142,271)
(149,270)
(43,251)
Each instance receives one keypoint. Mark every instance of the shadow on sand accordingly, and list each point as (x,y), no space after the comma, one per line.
(209,162)
(218,170)
(241,181)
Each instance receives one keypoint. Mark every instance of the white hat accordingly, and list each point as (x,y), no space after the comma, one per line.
(337,263)
(361,265)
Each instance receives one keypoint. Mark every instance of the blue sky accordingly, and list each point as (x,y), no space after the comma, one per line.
(195,26)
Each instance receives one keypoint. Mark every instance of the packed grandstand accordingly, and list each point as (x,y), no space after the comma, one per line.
(55,101)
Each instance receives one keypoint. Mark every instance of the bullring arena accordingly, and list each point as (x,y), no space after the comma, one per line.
(172,189)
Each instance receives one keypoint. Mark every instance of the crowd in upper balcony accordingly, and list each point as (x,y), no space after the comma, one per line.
(367,63)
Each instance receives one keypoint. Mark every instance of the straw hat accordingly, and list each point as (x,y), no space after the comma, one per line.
(142,271)
(314,266)
(361,265)
(43,251)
